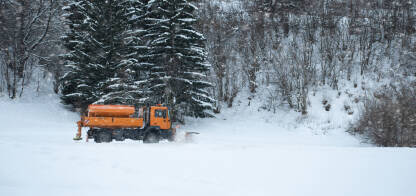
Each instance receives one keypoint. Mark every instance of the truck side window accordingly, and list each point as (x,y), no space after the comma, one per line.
(160,113)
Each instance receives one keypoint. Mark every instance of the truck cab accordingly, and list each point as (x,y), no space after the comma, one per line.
(159,117)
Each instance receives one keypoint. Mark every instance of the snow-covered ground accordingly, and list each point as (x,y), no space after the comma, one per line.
(240,152)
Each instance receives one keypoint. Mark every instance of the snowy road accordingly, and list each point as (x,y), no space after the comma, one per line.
(230,157)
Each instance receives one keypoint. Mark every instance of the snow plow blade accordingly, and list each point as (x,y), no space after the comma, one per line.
(77,138)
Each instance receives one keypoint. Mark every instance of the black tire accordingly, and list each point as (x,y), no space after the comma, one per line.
(151,137)
(171,138)
(90,133)
(97,138)
(103,136)
(118,135)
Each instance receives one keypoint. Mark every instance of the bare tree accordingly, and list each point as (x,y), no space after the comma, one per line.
(24,30)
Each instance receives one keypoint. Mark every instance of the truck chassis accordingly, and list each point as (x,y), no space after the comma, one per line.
(148,135)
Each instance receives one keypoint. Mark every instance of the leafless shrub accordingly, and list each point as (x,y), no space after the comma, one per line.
(390,119)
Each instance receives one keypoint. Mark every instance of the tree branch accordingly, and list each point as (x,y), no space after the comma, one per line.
(46,29)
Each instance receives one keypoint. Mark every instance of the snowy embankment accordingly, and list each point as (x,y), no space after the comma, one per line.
(241,152)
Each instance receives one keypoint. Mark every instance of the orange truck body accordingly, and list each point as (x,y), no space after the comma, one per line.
(110,111)
(112,122)
(111,116)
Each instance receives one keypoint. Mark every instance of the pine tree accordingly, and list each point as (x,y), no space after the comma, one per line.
(74,86)
(178,57)
(97,51)
(131,84)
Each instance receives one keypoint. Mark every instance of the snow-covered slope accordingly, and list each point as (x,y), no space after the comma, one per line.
(248,123)
(240,152)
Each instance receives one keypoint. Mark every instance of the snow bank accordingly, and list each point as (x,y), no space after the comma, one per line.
(240,152)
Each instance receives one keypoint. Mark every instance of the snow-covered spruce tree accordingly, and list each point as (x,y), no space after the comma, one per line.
(131,83)
(74,87)
(98,57)
(177,52)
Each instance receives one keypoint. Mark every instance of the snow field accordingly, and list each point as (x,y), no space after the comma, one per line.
(241,152)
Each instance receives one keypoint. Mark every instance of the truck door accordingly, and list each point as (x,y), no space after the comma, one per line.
(159,117)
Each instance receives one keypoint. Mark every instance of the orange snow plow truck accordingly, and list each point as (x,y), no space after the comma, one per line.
(120,122)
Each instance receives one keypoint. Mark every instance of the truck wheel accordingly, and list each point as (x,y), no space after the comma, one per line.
(118,135)
(151,137)
(97,138)
(171,138)
(103,136)
(90,133)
